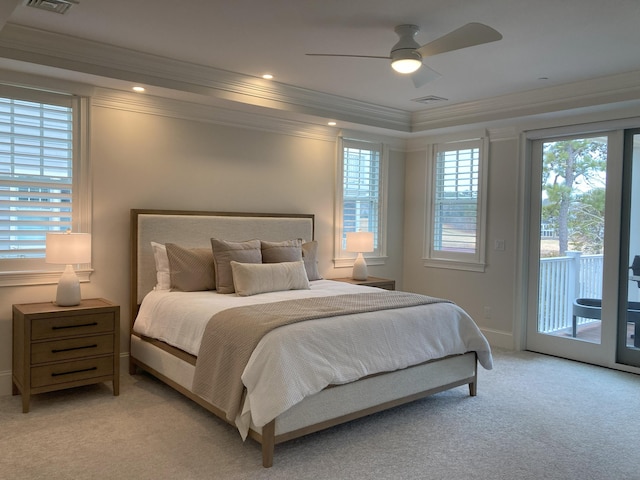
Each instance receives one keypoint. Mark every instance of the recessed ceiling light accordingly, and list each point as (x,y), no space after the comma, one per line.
(332,124)
(138,89)
(267,76)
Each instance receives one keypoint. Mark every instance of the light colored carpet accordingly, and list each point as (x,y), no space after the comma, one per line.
(535,417)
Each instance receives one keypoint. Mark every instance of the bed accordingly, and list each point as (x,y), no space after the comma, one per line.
(300,374)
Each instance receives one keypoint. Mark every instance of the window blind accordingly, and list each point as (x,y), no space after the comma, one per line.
(361,190)
(456,200)
(36,160)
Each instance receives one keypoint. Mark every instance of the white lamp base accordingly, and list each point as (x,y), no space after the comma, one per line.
(360,268)
(68,293)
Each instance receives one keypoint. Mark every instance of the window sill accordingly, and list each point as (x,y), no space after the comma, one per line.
(454,265)
(15,279)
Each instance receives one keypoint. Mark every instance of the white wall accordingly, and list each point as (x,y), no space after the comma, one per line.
(142,160)
(489,297)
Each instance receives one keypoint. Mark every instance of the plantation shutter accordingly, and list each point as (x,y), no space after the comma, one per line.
(361,189)
(36,177)
(456,200)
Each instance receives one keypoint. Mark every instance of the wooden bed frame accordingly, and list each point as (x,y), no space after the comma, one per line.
(332,406)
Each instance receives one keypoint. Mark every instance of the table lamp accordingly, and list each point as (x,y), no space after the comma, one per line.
(68,249)
(360,242)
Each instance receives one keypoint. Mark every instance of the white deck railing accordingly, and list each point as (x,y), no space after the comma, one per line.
(562,280)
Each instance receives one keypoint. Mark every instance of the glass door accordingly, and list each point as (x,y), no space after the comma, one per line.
(569,293)
(628,351)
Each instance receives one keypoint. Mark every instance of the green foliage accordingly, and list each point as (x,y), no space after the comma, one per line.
(586,222)
(573,179)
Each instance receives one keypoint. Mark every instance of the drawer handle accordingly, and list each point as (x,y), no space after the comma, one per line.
(74,371)
(92,324)
(60,350)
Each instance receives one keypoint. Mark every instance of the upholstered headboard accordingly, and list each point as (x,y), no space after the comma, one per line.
(195,229)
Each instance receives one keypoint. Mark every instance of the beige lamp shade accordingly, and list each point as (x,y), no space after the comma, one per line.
(68,249)
(360,242)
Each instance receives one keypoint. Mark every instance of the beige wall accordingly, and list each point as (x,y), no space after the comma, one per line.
(495,287)
(151,161)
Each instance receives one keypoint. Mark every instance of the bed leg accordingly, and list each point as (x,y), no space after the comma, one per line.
(133,369)
(268,443)
(473,389)
(473,386)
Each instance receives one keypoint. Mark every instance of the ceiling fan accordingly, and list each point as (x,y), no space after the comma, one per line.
(407,55)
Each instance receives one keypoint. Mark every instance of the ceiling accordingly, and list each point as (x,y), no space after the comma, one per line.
(218,50)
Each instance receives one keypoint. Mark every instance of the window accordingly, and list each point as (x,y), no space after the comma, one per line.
(361,195)
(456,226)
(39,178)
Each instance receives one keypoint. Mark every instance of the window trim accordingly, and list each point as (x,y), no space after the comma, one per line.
(343,258)
(18,272)
(475,262)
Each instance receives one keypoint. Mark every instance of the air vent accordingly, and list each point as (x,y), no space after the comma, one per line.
(57,6)
(430,99)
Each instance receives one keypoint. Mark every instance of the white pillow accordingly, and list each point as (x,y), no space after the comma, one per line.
(253,278)
(163,273)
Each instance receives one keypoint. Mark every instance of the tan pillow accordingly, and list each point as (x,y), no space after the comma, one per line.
(310,258)
(287,251)
(224,252)
(190,269)
(251,279)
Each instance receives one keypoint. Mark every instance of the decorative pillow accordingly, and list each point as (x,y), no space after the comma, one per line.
(309,256)
(163,278)
(224,252)
(287,251)
(251,279)
(191,268)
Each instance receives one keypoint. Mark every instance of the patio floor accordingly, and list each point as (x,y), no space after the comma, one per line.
(590,332)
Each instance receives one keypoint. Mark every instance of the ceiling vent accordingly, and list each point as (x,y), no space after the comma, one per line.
(430,99)
(57,6)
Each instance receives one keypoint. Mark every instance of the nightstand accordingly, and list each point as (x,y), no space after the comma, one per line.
(384,283)
(62,347)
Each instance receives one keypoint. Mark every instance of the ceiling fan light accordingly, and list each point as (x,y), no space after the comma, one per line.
(406,65)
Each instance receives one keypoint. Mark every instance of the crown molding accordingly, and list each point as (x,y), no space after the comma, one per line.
(283,106)
(152,105)
(597,91)
(41,47)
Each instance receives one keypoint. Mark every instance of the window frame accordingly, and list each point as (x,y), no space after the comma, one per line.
(342,258)
(457,260)
(35,271)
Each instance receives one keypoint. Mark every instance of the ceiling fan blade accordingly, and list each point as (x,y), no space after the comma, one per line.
(424,75)
(341,55)
(466,36)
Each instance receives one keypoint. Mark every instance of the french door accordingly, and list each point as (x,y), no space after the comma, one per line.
(580,247)
(628,346)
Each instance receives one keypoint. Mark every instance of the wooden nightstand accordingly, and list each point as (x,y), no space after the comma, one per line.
(63,347)
(384,283)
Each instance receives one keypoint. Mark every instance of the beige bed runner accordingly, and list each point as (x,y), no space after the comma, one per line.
(231,336)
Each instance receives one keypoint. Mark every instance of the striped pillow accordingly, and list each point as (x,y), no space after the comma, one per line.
(191,269)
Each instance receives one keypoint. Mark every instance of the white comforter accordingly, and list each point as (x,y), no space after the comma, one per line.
(299,360)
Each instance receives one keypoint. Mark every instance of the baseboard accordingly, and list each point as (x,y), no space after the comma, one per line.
(499,339)
(5,383)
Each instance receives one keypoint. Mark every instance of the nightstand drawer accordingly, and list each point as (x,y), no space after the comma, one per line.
(71,348)
(70,325)
(71,371)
